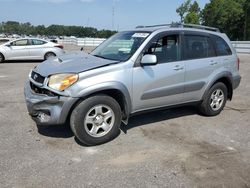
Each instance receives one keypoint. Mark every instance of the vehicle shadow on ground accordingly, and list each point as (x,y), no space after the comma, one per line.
(22,61)
(158,116)
(56,131)
(64,131)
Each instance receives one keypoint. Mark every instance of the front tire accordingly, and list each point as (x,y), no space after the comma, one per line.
(215,100)
(1,58)
(96,120)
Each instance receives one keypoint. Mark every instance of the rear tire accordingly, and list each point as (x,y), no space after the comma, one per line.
(215,100)
(96,120)
(1,58)
(49,55)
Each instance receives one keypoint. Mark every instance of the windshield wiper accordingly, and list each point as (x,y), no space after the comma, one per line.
(104,57)
(100,56)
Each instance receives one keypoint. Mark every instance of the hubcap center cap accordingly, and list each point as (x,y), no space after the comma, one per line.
(98,120)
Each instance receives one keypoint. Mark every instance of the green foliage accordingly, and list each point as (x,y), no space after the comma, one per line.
(12,27)
(230,16)
(246,8)
(192,18)
(195,7)
(189,13)
(227,15)
(183,9)
(193,15)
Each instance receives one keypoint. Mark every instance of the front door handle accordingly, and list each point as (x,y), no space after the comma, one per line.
(178,68)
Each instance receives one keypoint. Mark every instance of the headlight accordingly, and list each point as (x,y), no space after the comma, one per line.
(62,81)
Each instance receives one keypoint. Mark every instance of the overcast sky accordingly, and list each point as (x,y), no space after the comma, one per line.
(94,13)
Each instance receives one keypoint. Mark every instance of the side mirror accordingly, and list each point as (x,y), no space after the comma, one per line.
(8,45)
(148,60)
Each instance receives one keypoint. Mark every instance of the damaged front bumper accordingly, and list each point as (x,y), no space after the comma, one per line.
(45,109)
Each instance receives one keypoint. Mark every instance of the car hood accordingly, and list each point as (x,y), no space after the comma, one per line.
(71,63)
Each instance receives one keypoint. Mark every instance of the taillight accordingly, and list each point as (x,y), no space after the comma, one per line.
(238,63)
(59,46)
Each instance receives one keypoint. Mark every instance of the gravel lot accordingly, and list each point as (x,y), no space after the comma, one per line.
(170,148)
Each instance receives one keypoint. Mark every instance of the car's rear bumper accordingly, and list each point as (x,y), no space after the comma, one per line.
(236,81)
(47,110)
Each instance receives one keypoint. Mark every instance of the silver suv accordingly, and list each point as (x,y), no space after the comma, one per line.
(147,68)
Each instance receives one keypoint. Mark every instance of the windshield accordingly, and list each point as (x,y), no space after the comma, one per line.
(121,46)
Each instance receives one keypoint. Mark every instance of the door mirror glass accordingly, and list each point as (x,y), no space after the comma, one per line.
(149,59)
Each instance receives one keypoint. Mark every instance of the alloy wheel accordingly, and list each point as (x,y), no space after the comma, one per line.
(216,100)
(99,120)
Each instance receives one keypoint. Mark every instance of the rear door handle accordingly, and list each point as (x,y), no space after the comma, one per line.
(178,68)
(213,63)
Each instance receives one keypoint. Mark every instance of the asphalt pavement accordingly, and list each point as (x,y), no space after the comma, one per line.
(169,148)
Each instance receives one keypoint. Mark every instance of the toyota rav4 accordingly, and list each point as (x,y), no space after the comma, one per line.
(147,68)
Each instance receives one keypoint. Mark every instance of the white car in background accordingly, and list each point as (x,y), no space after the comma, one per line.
(29,49)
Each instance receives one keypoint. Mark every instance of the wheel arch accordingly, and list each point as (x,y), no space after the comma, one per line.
(47,52)
(117,91)
(3,56)
(226,78)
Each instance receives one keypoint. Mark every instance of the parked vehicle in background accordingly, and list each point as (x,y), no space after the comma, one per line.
(29,49)
(2,35)
(16,36)
(133,71)
(4,40)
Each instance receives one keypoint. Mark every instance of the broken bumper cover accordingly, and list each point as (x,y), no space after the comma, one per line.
(47,110)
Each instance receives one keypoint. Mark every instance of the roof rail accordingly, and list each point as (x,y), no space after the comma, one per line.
(147,26)
(201,27)
(179,25)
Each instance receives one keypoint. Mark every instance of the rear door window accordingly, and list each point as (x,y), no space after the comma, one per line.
(222,48)
(37,42)
(196,47)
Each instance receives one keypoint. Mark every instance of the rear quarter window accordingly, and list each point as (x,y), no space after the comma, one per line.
(222,48)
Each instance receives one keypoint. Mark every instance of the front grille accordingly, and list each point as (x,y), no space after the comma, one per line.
(37,77)
(43,91)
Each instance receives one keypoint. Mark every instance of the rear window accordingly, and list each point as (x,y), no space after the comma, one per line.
(38,42)
(197,47)
(222,48)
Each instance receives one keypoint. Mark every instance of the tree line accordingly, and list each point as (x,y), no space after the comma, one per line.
(230,16)
(13,27)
